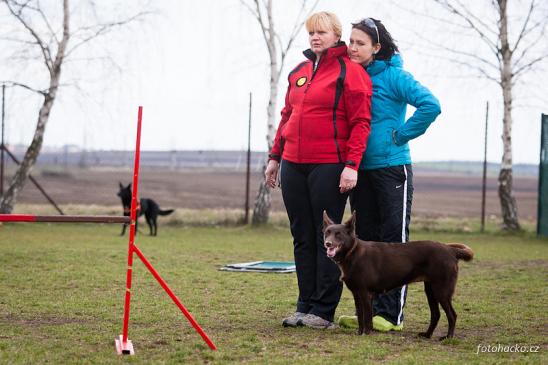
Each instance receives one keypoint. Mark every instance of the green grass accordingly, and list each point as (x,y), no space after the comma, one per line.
(62,290)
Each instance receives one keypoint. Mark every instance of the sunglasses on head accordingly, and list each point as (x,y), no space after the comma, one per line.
(369,23)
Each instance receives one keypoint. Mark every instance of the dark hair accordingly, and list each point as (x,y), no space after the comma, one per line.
(388,44)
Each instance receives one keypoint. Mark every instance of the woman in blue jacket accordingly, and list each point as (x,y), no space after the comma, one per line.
(383,195)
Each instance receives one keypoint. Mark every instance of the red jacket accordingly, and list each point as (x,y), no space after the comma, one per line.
(326,117)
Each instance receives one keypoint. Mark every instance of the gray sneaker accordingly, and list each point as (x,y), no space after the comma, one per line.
(293,320)
(313,321)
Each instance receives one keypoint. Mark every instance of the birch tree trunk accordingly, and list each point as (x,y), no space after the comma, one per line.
(505,180)
(261,211)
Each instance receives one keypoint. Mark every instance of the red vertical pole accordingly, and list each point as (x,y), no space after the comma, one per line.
(133,217)
(123,345)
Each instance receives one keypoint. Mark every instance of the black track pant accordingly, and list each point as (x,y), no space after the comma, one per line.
(382,201)
(308,190)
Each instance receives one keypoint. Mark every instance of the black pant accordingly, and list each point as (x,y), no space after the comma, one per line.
(308,190)
(382,201)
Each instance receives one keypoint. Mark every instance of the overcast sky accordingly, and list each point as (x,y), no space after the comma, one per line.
(194,63)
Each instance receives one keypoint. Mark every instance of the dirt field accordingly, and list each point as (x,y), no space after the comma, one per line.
(434,196)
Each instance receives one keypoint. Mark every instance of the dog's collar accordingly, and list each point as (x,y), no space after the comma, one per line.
(351,250)
(348,253)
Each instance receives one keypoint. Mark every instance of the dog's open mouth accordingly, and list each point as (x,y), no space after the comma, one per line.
(331,251)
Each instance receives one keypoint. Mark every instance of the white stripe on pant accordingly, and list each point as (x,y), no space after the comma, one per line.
(403,239)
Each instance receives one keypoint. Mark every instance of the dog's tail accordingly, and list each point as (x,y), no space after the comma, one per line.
(166,212)
(462,252)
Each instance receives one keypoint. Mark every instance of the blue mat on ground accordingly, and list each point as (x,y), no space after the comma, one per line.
(261,266)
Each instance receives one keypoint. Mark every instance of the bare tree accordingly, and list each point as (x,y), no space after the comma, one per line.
(504,59)
(277,51)
(53,44)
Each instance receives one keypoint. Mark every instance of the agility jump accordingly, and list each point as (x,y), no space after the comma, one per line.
(123,345)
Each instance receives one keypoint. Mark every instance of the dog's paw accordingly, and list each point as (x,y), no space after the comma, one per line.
(442,338)
(425,334)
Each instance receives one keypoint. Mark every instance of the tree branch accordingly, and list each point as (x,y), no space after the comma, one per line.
(24,86)
(529,65)
(429,16)
(459,52)
(449,7)
(46,21)
(297,28)
(469,15)
(19,16)
(524,27)
(248,7)
(61,49)
(270,29)
(258,16)
(483,72)
(299,23)
(529,47)
(17,40)
(102,29)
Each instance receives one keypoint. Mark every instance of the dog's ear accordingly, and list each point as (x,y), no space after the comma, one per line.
(121,186)
(326,220)
(129,186)
(351,223)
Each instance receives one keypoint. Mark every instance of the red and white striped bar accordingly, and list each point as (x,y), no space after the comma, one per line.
(63,218)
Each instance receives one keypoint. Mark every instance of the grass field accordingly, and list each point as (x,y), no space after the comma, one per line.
(62,288)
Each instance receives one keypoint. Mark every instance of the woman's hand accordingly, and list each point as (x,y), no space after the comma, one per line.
(271,173)
(349,178)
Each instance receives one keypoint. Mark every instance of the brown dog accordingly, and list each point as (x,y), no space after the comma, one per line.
(369,268)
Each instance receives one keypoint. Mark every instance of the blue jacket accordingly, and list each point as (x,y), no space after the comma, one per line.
(393,89)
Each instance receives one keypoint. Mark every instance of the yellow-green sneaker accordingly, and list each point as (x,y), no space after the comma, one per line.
(382,325)
(348,322)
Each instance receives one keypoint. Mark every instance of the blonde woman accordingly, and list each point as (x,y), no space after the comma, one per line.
(319,143)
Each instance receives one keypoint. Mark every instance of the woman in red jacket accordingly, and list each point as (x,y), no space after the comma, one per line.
(320,141)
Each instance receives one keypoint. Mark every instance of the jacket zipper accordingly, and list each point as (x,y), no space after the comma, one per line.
(313,74)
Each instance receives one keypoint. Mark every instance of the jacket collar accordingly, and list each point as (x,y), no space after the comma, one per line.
(337,50)
(379,66)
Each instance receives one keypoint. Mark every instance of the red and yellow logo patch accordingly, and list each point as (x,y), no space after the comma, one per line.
(301,81)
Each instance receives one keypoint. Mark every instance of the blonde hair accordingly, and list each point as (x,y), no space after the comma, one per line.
(325,21)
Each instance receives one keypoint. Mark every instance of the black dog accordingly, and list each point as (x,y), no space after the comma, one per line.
(369,268)
(146,206)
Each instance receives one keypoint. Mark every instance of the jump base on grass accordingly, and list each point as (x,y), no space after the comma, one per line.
(124,350)
(261,266)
